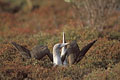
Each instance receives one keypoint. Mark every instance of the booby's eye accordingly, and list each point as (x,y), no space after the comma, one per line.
(59,45)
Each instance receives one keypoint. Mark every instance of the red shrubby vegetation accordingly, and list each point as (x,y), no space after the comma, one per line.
(44,25)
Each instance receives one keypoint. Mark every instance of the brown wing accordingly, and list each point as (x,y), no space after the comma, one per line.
(39,51)
(74,53)
(84,51)
(24,52)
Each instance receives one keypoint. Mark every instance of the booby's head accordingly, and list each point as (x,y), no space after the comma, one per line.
(56,53)
(60,45)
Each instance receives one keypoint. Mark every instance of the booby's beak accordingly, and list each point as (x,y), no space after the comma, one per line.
(64,44)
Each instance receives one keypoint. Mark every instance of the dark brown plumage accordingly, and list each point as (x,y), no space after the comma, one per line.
(38,52)
(24,52)
(74,55)
(84,51)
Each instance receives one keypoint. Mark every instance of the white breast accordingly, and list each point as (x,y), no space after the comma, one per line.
(56,57)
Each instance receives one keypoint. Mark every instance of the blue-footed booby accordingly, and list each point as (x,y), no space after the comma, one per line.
(58,57)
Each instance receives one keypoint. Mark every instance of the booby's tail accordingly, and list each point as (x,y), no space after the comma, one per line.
(24,52)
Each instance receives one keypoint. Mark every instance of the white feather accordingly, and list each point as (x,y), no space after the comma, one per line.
(56,55)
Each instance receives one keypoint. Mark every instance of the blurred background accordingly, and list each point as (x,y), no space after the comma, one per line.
(46,15)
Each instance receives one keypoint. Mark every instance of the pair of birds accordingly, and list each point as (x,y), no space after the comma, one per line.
(63,53)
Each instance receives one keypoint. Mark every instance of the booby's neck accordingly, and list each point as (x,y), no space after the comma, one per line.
(56,57)
(64,50)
